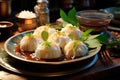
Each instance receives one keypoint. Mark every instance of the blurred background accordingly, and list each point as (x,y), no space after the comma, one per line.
(66,5)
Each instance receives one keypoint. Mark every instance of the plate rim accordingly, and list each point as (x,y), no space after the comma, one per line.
(9,67)
(43,62)
(113,28)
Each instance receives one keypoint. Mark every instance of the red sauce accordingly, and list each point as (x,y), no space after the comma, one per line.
(28,55)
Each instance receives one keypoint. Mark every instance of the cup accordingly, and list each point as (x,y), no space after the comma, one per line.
(94,19)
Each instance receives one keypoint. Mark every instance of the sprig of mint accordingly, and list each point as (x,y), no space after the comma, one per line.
(86,34)
(70,17)
(90,40)
(115,43)
(109,43)
(44,35)
(46,43)
(75,43)
(103,38)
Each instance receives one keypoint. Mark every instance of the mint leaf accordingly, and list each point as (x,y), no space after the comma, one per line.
(72,13)
(44,35)
(63,15)
(92,42)
(86,34)
(70,18)
(48,44)
(29,34)
(75,43)
(103,38)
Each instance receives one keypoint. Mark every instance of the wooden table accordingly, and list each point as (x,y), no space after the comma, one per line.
(98,71)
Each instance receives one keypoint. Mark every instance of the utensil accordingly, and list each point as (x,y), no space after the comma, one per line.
(105,56)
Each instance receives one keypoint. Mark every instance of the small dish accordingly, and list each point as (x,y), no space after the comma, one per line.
(115,22)
(6,29)
(25,23)
(95,19)
(114,10)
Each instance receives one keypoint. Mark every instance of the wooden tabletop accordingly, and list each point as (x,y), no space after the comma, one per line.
(99,71)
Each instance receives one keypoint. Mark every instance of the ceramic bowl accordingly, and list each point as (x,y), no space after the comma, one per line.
(25,23)
(95,19)
(116,12)
(6,29)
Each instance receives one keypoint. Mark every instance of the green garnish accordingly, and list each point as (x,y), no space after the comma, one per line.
(44,35)
(48,24)
(73,26)
(70,35)
(58,27)
(70,18)
(29,34)
(86,34)
(109,43)
(103,38)
(92,42)
(115,43)
(75,43)
(46,43)
(58,32)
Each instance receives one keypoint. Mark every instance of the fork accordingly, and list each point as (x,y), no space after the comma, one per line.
(105,56)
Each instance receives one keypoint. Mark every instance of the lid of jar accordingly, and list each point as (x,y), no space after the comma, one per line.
(46,1)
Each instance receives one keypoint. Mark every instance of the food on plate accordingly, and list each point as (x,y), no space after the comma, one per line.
(38,31)
(72,31)
(60,38)
(75,48)
(48,44)
(28,43)
(48,50)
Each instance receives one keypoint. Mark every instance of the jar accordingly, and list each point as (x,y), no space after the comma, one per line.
(42,12)
(5,9)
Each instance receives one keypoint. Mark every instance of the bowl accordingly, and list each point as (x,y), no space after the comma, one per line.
(116,12)
(25,23)
(95,19)
(45,66)
(6,29)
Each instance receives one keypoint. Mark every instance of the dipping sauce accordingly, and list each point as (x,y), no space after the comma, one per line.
(94,19)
